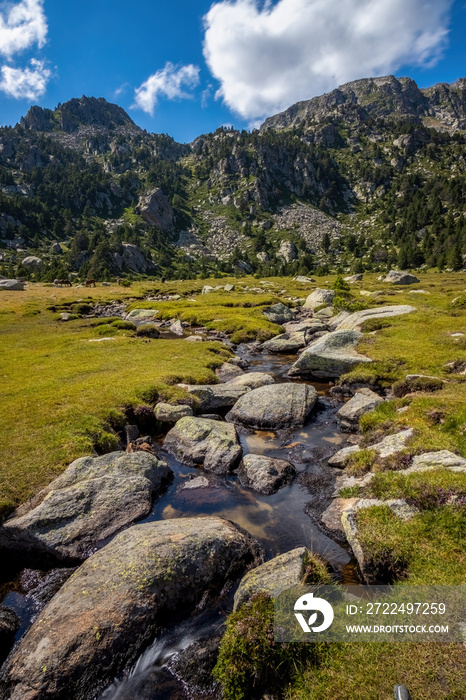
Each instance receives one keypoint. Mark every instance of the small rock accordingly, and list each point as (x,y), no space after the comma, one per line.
(201,442)
(141,315)
(400,277)
(362,402)
(212,397)
(131,433)
(177,328)
(354,278)
(286,343)
(303,279)
(265,474)
(253,380)
(319,297)
(228,371)
(386,448)
(275,576)
(279,313)
(11,285)
(167,413)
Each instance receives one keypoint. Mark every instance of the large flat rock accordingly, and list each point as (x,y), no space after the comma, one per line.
(201,442)
(329,356)
(274,407)
(91,501)
(118,600)
(355,321)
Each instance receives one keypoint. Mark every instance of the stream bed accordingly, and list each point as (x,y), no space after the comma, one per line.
(281,522)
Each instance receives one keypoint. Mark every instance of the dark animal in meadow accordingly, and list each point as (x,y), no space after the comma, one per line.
(90,283)
(62,283)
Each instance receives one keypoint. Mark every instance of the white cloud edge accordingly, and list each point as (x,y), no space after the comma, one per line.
(171,82)
(267,57)
(28,83)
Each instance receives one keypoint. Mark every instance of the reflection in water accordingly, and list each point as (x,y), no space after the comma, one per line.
(278,521)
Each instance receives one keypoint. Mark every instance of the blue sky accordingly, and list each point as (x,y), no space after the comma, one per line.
(185,68)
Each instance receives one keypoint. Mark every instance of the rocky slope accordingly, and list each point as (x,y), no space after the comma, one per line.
(370,176)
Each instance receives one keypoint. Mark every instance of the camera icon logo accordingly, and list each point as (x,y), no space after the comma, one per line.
(308,604)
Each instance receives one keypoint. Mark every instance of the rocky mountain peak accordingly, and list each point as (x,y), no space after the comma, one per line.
(76,113)
(382,97)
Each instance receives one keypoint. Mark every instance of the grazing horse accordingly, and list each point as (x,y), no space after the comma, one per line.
(90,283)
(62,283)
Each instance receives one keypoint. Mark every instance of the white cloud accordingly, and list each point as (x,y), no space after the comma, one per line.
(21,26)
(269,56)
(167,82)
(25,83)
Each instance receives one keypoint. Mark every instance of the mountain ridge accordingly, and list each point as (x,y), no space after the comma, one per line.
(370,175)
(380,97)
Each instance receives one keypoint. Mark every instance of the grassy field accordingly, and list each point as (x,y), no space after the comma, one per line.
(64,385)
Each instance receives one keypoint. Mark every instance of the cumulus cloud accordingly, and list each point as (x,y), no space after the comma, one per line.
(25,83)
(169,82)
(268,56)
(21,26)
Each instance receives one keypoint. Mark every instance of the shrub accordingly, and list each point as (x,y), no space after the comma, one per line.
(103,321)
(361,462)
(106,330)
(148,330)
(124,325)
(459,302)
(125,283)
(82,308)
(250,662)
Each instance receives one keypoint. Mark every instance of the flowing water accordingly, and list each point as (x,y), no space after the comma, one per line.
(280,522)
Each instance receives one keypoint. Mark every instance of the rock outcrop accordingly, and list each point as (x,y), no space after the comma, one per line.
(133,258)
(156,210)
(118,600)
